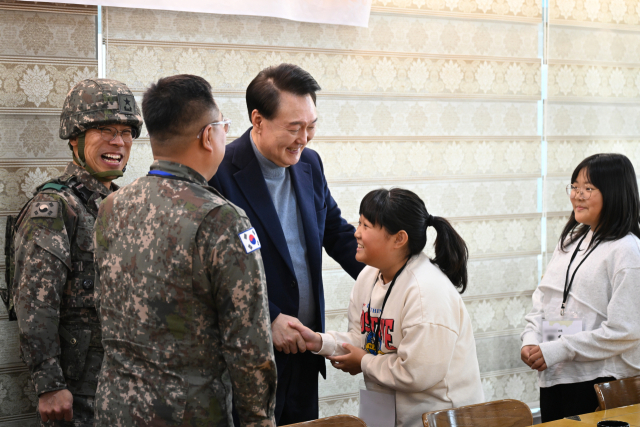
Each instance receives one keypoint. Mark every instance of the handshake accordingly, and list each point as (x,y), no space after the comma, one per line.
(291,336)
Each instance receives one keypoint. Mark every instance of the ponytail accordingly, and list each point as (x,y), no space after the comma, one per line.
(398,209)
(451,253)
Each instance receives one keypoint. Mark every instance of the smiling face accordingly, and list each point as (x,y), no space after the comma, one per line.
(101,155)
(283,138)
(375,244)
(587,211)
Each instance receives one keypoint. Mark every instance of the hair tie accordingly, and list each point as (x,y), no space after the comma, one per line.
(429,221)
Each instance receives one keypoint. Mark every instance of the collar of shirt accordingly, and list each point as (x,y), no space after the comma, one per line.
(89,181)
(269,169)
(381,281)
(179,170)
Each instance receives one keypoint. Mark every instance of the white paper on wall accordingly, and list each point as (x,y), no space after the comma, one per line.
(341,12)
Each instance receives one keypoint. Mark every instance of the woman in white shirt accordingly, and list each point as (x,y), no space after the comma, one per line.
(592,286)
(409,331)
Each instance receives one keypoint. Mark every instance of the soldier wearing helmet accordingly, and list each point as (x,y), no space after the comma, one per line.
(58,323)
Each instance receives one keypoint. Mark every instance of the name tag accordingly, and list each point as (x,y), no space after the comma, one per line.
(552,330)
(377,409)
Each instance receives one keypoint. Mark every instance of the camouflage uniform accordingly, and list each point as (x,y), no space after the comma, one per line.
(54,287)
(183,308)
(54,272)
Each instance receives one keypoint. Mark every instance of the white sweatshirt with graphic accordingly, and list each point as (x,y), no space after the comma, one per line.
(428,353)
(605,294)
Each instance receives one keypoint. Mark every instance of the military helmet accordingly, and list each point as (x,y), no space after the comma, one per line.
(98,102)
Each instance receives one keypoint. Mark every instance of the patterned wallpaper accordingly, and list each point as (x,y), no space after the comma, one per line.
(520,10)
(614,14)
(594,89)
(45,50)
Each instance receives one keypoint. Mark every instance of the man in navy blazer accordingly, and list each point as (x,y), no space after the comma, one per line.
(281,186)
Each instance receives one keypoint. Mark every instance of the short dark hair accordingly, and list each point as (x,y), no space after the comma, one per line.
(263,93)
(174,103)
(614,176)
(398,209)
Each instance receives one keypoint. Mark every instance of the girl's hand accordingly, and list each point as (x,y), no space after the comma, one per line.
(313,340)
(349,362)
(525,352)
(536,359)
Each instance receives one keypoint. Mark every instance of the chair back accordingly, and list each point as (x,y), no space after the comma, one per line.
(335,421)
(503,413)
(615,394)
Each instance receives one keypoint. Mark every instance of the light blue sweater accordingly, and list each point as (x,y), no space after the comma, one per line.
(283,196)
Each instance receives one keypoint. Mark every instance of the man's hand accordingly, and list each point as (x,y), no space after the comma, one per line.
(525,352)
(536,359)
(286,338)
(312,340)
(349,362)
(56,405)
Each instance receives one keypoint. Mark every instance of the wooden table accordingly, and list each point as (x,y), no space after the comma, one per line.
(564,423)
(630,414)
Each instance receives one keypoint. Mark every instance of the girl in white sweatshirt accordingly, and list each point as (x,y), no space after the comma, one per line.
(593,278)
(409,331)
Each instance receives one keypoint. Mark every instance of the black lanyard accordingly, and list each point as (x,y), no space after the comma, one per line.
(567,283)
(376,328)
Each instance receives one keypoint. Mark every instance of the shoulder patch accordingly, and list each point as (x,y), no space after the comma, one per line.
(44,210)
(249,239)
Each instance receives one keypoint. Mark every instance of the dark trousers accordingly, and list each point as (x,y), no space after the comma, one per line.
(297,392)
(566,400)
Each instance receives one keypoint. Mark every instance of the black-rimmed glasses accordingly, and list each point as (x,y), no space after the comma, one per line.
(109,134)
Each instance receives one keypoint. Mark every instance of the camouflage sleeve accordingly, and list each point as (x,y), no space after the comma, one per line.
(42,262)
(98,230)
(240,294)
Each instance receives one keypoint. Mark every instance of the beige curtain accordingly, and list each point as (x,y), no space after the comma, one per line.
(594,89)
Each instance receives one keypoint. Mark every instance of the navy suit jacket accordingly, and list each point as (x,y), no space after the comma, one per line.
(240,180)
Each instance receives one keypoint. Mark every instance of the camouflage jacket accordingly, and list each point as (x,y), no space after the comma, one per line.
(54,286)
(183,308)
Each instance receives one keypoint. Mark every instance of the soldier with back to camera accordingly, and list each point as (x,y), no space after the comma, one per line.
(180,284)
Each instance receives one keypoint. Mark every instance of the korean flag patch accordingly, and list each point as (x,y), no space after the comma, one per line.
(249,239)
(44,210)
